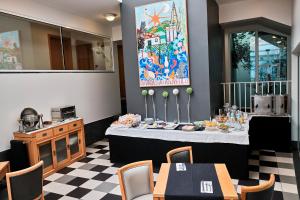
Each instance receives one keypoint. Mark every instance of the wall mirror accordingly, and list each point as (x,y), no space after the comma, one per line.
(31,46)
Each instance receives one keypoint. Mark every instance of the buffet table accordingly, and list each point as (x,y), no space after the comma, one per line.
(135,144)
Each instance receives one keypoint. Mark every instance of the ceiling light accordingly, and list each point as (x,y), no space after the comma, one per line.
(110,17)
(274,37)
(278,42)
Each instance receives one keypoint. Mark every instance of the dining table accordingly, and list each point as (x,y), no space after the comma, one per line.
(178,181)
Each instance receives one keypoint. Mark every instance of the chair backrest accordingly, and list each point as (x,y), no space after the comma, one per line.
(263,191)
(26,184)
(136,179)
(180,155)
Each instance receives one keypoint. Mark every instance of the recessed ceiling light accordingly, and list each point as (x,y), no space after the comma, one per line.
(274,37)
(110,17)
(278,42)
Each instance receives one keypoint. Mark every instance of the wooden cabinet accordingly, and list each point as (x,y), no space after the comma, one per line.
(58,146)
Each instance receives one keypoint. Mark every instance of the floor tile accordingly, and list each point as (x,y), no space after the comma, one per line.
(105,156)
(290,196)
(100,146)
(59,188)
(112,197)
(290,188)
(94,195)
(65,170)
(102,177)
(83,173)
(95,155)
(101,162)
(116,191)
(54,177)
(77,181)
(91,184)
(65,179)
(99,168)
(253,162)
(111,170)
(91,150)
(87,166)
(288,179)
(78,192)
(95,178)
(113,179)
(68,198)
(76,165)
(285,160)
(106,187)
(53,196)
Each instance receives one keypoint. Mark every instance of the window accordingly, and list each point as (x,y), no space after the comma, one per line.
(258,56)
(31,45)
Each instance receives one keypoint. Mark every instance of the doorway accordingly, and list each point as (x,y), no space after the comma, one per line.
(122,79)
(56,54)
(85,58)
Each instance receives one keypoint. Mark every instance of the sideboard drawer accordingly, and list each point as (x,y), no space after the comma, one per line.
(74,125)
(60,129)
(44,134)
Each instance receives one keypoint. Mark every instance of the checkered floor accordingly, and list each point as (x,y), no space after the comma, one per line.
(94,177)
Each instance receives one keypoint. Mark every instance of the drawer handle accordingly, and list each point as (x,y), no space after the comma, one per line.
(74,125)
(44,134)
(61,129)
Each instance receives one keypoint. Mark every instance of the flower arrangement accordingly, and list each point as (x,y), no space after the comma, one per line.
(145,93)
(165,95)
(176,93)
(189,91)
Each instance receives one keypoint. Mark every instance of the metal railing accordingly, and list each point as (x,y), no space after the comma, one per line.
(240,93)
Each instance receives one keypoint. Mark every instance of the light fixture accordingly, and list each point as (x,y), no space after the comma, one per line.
(278,42)
(274,37)
(110,17)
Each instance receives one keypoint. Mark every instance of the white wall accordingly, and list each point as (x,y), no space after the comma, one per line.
(96,95)
(117,33)
(277,10)
(295,70)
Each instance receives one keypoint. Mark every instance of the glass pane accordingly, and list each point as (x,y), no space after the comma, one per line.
(46,154)
(29,45)
(243,55)
(84,51)
(61,150)
(272,57)
(74,143)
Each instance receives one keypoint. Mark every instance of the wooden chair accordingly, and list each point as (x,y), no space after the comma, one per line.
(180,155)
(136,181)
(263,191)
(26,184)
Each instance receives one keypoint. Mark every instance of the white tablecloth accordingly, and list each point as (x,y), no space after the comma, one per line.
(234,137)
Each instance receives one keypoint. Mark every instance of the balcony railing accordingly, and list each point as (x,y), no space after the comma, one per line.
(240,93)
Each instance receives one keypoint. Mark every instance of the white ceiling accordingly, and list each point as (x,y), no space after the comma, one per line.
(91,9)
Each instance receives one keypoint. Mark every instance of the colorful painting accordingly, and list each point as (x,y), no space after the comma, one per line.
(162,40)
(10,51)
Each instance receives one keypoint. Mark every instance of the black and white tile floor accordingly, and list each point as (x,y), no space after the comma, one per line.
(94,177)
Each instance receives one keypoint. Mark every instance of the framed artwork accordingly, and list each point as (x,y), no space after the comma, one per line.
(10,50)
(162,44)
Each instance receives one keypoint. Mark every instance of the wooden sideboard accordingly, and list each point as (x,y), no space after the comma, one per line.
(58,145)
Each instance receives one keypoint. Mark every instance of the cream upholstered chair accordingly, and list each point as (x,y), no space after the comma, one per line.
(180,155)
(136,181)
(26,184)
(263,191)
